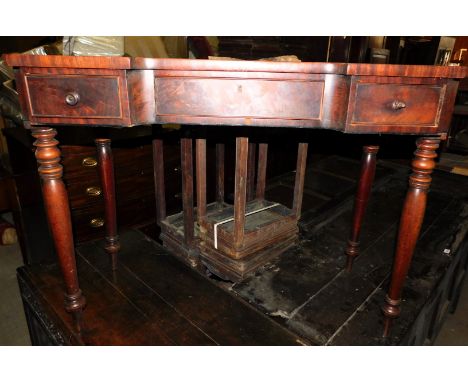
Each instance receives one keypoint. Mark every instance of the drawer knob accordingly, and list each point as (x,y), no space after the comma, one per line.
(397,105)
(93,191)
(96,222)
(72,98)
(89,162)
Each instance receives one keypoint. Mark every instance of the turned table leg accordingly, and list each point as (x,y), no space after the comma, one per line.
(361,200)
(410,224)
(58,214)
(106,173)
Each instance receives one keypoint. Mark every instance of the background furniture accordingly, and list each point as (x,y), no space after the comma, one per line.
(458,135)
(134,183)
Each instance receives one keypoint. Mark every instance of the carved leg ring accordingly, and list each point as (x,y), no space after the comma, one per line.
(58,214)
(106,173)
(410,224)
(361,200)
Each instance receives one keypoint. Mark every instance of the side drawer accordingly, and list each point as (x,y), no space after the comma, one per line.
(69,96)
(81,161)
(89,222)
(89,190)
(414,105)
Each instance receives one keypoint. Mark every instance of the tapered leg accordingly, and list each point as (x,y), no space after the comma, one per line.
(58,214)
(187,189)
(158,166)
(200,159)
(251,172)
(300,177)
(240,190)
(106,172)
(261,171)
(220,173)
(361,200)
(410,224)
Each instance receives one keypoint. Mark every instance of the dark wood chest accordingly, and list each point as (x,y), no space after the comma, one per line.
(134,187)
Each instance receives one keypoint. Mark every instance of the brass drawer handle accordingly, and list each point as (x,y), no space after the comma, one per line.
(89,162)
(397,105)
(96,222)
(93,191)
(72,98)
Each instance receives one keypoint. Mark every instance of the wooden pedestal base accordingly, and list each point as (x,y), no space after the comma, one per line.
(270,228)
(173,236)
(266,223)
(238,239)
(175,244)
(235,270)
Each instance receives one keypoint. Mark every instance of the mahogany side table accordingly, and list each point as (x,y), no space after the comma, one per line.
(124,92)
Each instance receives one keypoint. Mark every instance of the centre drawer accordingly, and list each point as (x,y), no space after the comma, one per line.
(378,105)
(250,98)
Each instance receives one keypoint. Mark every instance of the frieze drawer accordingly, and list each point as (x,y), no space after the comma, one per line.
(379,105)
(262,99)
(72,98)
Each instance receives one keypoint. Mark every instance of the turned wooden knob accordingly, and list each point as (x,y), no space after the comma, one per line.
(397,105)
(72,98)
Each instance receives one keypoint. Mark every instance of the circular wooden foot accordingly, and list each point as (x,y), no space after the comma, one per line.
(352,250)
(391,310)
(75,302)
(112,248)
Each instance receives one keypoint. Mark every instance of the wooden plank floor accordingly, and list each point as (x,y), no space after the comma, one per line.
(304,297)
(153,299)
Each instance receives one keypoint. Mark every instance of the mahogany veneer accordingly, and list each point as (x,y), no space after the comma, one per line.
(119,91)
(351,97)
